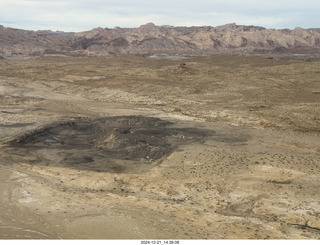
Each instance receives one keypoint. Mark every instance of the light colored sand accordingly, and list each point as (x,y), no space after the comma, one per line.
(254,178)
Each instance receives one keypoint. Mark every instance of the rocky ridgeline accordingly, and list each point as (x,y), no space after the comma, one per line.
(151,39)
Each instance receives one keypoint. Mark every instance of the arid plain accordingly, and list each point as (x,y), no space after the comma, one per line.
(133,147)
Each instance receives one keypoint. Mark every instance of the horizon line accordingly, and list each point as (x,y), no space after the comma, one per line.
(151,23)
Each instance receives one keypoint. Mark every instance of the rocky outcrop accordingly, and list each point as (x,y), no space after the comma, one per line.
(151,39)
(15,42)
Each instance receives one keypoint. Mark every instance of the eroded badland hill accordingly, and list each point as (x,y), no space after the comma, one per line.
(150,39)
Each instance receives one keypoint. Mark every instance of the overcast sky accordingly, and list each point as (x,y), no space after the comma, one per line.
(80,15)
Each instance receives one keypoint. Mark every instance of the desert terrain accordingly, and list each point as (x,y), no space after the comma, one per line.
(137,147)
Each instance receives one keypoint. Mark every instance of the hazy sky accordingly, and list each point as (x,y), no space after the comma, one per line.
(80,15)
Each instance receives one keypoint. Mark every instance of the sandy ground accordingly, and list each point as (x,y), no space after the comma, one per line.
(250,172)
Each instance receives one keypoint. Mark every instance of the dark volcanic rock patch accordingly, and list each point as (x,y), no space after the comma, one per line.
(130,144)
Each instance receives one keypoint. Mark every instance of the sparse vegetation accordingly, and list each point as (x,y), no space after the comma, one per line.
(239,157)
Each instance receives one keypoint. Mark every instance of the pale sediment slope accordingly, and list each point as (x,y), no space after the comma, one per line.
(243,163)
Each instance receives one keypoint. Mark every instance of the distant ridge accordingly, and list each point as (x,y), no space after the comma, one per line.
(150,39)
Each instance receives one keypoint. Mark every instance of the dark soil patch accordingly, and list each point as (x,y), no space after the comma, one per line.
(16,125)
(130,144)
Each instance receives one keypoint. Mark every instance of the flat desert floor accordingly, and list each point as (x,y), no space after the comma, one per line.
(130,147)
